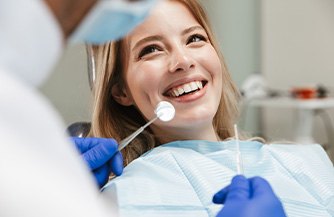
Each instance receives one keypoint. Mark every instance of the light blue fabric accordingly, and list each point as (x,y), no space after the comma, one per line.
(110,20)
(180,178)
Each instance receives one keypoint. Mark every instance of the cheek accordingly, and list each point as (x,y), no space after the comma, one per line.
(210,61)
(209,58)
(143,80)
(214,63)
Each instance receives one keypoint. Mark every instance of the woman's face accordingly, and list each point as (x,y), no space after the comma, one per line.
(171,59)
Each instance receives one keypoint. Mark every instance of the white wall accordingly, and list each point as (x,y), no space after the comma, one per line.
(68,88)
(297,49)
(236,24)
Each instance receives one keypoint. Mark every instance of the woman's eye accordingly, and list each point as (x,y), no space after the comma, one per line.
(196,38)
(147,50)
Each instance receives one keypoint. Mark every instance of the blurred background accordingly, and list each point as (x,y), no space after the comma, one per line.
(285,44)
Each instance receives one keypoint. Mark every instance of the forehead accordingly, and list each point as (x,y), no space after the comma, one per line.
(168,17)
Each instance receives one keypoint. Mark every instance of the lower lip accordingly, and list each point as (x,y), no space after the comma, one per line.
(191,97)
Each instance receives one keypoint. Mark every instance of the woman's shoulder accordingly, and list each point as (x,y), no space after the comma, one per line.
(314,149)
(311,156)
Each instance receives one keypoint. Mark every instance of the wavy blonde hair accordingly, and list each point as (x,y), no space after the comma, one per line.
(112,120)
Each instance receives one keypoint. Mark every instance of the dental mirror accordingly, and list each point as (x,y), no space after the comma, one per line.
(165,111)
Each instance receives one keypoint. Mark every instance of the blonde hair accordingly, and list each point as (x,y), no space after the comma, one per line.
(113,120)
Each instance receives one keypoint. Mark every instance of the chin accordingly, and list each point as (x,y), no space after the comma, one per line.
(195,119)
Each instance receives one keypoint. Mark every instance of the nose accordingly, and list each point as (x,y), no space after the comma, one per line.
(180,60)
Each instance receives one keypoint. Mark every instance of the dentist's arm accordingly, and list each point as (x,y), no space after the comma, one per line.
(248,198)
(102,157)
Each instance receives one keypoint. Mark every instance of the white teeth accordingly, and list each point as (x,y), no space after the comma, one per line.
(193,86)
(199,84)
(186,88)
(180,90)
(176,93)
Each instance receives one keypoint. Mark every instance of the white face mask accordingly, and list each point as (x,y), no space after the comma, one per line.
(110,20)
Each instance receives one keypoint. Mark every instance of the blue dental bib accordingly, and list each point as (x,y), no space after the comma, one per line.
(180,178)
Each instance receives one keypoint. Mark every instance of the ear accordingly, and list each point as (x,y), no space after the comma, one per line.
(121,95)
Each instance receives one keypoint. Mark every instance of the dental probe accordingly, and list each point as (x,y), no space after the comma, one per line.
(240,169)
(165,111)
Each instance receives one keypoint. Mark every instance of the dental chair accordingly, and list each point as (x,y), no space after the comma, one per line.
(79,129)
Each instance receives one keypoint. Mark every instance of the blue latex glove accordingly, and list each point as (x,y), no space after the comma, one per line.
(102,157)
(248,198)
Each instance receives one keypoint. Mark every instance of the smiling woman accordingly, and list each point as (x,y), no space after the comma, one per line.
(179,63)
(172,56)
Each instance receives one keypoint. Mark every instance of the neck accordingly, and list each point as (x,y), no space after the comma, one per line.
(172,134)
(69,13)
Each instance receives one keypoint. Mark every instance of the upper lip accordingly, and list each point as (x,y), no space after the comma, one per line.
(182,81)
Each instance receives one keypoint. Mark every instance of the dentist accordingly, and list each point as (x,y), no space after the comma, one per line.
(41,172)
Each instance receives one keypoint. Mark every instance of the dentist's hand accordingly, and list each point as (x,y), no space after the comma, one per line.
(248,198)
(102,157)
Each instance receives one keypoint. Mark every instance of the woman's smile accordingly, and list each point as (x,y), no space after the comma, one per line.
(187,91)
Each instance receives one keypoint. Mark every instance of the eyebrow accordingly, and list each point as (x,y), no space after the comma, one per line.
(191,29)
(147,39)
(159,38)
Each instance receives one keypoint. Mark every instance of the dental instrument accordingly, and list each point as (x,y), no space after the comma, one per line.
(165,111)
(240,169)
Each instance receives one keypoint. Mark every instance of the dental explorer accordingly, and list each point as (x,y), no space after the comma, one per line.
(165,111)
(240,169)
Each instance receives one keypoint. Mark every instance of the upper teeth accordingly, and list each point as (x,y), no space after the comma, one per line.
(186,88)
